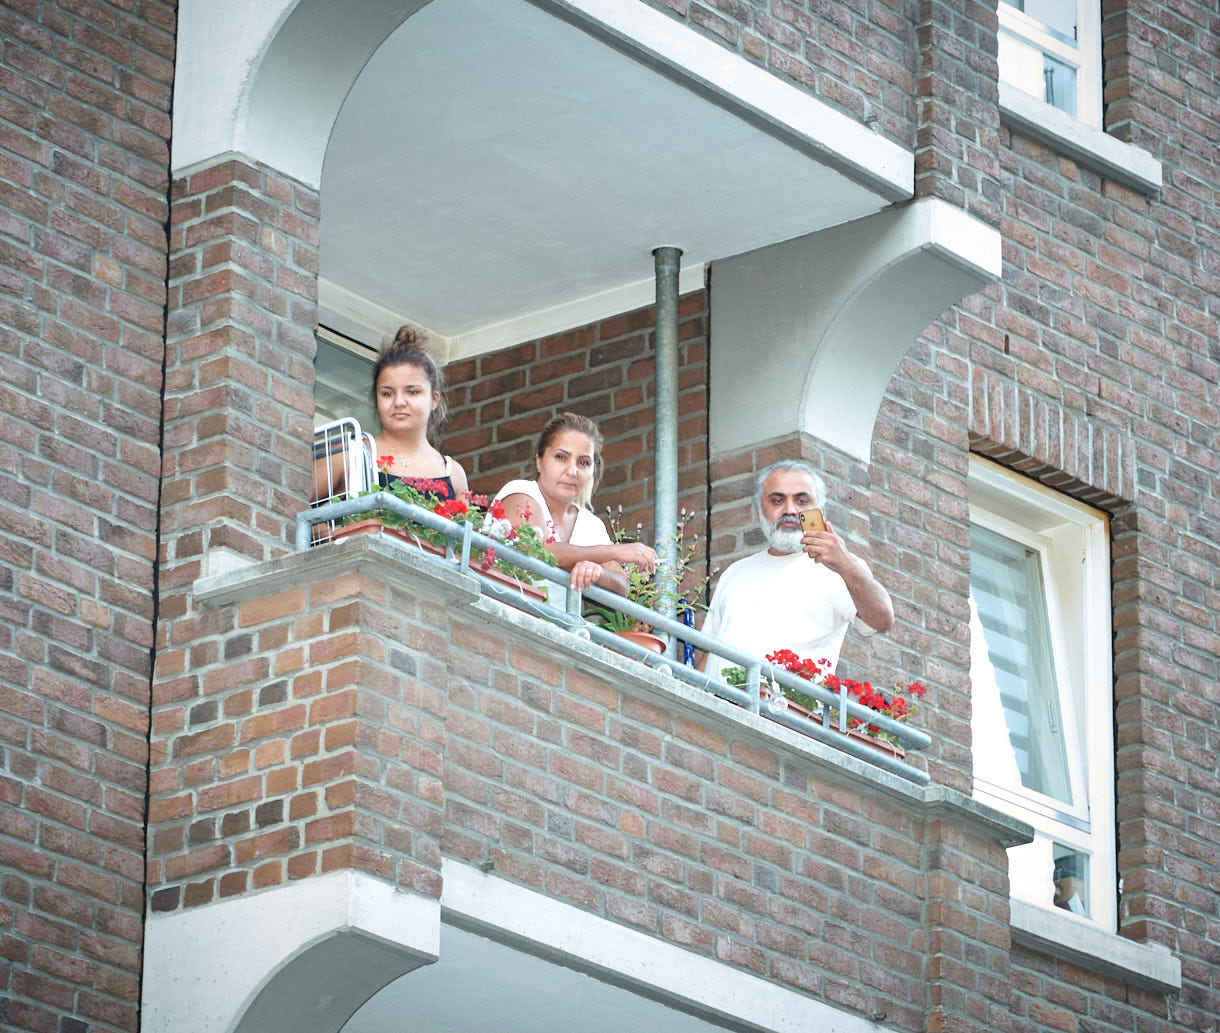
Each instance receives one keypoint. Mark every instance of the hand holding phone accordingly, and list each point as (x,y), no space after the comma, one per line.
(811,520)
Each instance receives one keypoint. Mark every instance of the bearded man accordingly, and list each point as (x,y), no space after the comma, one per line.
(805,589)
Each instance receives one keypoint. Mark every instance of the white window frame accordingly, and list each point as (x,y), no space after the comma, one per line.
(1018,30)
(1073,543)
(366,353)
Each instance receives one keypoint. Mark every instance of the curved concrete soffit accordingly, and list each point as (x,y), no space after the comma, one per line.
(301,956)
(304,76)
(272,88)
(898,271)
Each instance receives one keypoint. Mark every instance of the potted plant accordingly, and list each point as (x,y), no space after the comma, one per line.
(777,697)
(900,704)
(489,518)
(680,588)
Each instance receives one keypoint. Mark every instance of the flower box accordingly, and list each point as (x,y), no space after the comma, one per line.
(897,706)
(373,525)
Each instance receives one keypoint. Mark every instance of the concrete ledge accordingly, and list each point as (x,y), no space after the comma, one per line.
(945,804)
(394,563)
(299,956)
(700,986)
(1062,935)
(1113,158)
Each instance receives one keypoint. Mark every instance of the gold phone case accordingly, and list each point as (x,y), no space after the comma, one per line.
(811,520)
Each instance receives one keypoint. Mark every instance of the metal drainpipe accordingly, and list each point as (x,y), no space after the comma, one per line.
(665,478)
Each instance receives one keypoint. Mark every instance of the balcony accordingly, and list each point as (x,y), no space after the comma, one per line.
(387,760)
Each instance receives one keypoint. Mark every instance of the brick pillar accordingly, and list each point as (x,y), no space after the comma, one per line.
(236,467)
(239,396)
(958,118)
(969,943)
(302,743)
(1135,109)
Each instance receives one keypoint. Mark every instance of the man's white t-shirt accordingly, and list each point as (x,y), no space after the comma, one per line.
(764,603)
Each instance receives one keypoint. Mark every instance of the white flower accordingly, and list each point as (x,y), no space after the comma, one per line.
(500,529)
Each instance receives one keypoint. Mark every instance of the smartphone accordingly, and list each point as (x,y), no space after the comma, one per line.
(811,520)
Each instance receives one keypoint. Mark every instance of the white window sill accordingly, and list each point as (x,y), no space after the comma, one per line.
(1061,935)
(1124,162)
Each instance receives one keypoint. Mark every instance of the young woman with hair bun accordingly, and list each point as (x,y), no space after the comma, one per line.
(408,393)
(554,496)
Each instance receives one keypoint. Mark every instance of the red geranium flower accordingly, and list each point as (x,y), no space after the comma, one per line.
(897,706)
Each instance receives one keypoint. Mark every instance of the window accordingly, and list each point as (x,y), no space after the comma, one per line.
(1042,686)
(1051,50)
(342,371)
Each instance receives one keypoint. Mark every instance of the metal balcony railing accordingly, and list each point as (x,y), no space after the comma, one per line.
(463,537)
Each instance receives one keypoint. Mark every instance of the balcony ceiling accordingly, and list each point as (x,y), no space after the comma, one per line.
(496,172)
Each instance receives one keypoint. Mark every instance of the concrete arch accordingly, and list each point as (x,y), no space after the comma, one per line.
(816,326)
(301,956)
(321,987)
(267,80)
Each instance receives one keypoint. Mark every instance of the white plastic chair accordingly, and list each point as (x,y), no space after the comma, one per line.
(352,473)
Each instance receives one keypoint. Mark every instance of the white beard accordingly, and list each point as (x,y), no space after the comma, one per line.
(785,540)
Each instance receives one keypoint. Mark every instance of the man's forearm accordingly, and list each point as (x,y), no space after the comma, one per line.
(872,601)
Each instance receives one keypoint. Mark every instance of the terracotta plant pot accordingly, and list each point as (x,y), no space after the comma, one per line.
(533,591)
(881,745)
(644,638)
(766,691)
(371,525)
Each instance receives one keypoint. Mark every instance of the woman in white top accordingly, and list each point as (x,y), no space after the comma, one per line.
(567,465)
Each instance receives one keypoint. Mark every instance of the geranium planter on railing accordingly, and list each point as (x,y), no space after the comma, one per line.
(897,707)
(374,525)
(470,510)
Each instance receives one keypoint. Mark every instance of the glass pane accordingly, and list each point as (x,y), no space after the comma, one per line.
(1040,75)
(1058,16)
(1059,84)
(1017,663)
(1071,879)
(342,387)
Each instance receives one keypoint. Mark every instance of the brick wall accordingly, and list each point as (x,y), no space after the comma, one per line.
(1093,366)
(84,124)
(314,743)
(500,401)
(239,383)
(860,58)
